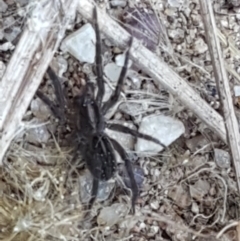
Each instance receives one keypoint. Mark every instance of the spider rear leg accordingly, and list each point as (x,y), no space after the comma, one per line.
(127,130)
(115,96)
(93,192)
(129,169)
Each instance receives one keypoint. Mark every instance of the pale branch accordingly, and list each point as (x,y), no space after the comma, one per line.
(222,81)
(41,37)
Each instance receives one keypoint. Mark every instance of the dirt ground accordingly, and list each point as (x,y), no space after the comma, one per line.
(188,191)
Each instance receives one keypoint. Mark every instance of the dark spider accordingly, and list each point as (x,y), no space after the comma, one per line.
(96,147)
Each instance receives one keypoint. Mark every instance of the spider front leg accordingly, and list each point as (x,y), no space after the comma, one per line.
(58,111)
(98,61)
(115,96)
(129,169)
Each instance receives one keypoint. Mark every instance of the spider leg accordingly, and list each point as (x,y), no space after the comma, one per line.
(129,169)
(94,192)
(57,86)
(98,60)
(115,96)
(127,130)
(57,111)
(54,109)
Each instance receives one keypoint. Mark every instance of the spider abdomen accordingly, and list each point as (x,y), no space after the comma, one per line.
(100,157)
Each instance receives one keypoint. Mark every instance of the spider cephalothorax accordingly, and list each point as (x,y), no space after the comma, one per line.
(96,147)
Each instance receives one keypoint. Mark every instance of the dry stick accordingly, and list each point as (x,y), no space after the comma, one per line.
(161,73)
(222,84)
(39,41)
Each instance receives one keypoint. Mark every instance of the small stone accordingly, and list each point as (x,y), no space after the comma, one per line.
(196,143)
(176,34)
(195,208)
(60,65)
(200,46)
(81,44)
(38,134)
(3,6)
(237,90)
(6,46)
(180,196)
(120,59)
(118,3)
(23,2)
(222,158)
(138,175)
(165,128)
(10,36)
(104,188)
(112,215)
(40,110)
(108,92)
(126,140)
(154,205)
(112,71)
(199,189)
(2,69)
(176,3)
(132,109)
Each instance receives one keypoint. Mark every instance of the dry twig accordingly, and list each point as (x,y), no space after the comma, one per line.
(40,39)
(157,69)
(222,84)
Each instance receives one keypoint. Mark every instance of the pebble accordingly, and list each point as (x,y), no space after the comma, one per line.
(199,189)
(125,140)
(165,128)
(3,6)
(222,158)
(104,188)
(237,90)
(200,46)
(118,3)
(110,216)
(6,46)
(112,71)
(2,69)
(120,59)
(40,110)
(81,44)
(10,36)
(37,134)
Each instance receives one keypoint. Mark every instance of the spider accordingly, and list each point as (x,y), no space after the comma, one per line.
(96,147)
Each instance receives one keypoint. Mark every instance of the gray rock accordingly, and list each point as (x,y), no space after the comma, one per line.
(2,69)
(237,90)
(3,6)
(40,110)
(199,189)
(81,44)
(6,46)
(120,59)
(112,71)
(10,36)
(118,3)
(222,158)
(60,65)
(126,140)
(104,189)
(38,134)
(164,128)
(110,216)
